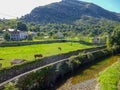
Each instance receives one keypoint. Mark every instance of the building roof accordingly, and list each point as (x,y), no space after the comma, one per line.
(17,61)
(12,30)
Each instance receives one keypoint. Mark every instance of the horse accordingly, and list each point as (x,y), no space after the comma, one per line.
(60,48)
(1,59)
(38,55)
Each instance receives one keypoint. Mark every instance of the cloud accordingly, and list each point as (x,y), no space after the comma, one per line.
(17,8)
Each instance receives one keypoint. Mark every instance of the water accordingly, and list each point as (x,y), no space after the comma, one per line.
(88,74)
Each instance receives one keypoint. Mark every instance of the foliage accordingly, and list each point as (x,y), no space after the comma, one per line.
(90,56)
(74,60)
(7,24)
(21,26)
(68,11)
(29,37)
(79,29)
(7,36)
(115,38)
(81,54)
(10,86)
(108,42)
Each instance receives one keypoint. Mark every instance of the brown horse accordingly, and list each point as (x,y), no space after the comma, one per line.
(38,55)
(60,48)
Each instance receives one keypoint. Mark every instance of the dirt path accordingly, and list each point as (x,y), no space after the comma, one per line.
(86,85)
(118,86)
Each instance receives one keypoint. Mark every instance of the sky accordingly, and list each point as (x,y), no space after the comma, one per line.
(17,8)
(111,5)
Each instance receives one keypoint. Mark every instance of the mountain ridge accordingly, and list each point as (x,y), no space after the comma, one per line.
(68,11)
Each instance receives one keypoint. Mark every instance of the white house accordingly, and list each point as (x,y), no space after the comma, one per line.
(16,35)
(17,61)
(98,40)
(60,35)
(32,33)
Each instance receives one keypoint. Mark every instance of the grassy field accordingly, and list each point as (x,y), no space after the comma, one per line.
(109,78)
(27,52)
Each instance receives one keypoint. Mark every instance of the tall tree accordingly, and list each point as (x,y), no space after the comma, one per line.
(115,38)
(21,26)
(7,36)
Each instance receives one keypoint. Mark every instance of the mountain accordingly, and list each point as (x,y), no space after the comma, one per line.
(68,11)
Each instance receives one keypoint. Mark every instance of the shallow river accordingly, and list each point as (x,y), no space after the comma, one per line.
(89,74)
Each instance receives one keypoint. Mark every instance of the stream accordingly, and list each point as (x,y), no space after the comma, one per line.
(86,79)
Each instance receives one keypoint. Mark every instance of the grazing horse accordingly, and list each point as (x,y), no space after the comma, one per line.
(38,55)
(60,48)
(1,59)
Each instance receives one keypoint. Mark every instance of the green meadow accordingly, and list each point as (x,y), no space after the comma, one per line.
(27,52)
(110,77)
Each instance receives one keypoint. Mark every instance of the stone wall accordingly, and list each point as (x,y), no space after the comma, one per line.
(21,43)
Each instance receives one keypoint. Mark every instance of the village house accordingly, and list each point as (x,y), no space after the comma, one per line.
(98,40)
(17,61)
(16,35)
(60,35)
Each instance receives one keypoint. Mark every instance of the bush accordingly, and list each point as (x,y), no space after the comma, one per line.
(7,36)
(90,56)
(75,61)
(10,86)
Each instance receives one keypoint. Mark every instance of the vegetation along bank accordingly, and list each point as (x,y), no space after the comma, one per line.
(109,79)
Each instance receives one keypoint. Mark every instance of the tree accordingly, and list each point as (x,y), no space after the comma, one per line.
(21,26)
(115,38)
(30,37)
(108,43)
(7,36)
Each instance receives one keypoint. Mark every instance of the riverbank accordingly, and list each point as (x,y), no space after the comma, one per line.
(109,78)
(86,85)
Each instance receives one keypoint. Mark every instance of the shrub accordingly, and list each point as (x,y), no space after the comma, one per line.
(10,86)
(7,36)
(90,56)
(75,61)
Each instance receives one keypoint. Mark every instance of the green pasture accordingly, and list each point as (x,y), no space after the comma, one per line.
(27,52)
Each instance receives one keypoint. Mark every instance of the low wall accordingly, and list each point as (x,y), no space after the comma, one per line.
(21,43)
(10,72)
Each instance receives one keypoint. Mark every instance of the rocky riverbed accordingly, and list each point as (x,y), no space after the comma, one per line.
(91,84)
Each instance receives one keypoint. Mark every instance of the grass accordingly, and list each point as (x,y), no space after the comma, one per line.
(27,52)
(109,78)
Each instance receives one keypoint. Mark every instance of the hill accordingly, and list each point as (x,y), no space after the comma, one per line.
(68,11)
